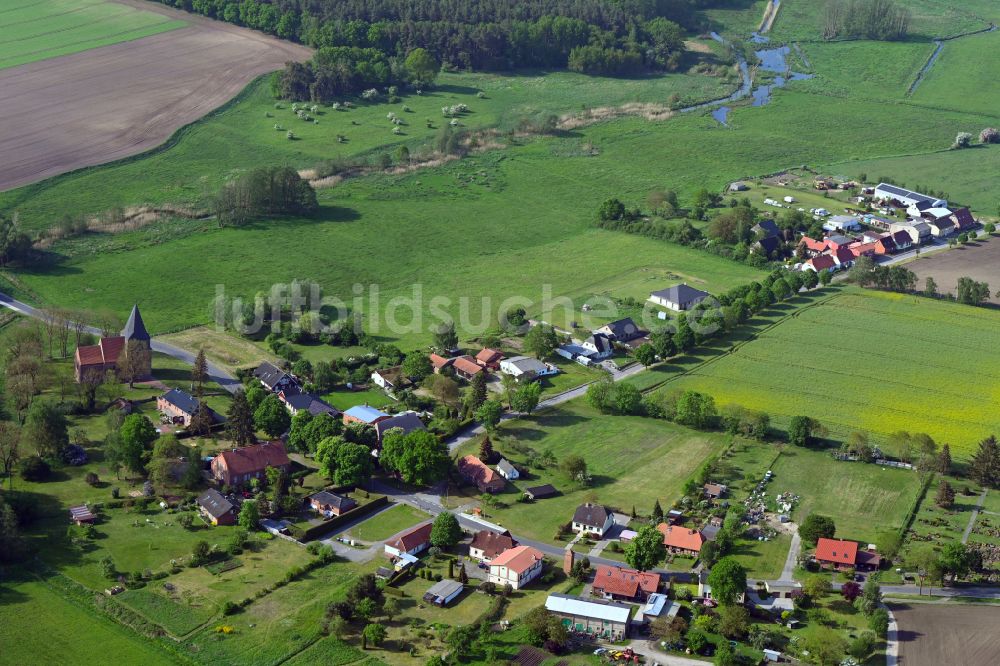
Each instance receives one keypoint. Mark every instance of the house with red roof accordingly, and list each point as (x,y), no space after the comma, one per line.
(811,247)
(92,362)
(489,358)
(844,256)
(625,584)
(476,472)
(486,545)
(412,541)
(843,554)
(238,466)
(820,263)
(517,567)
(466,367)
(681,540)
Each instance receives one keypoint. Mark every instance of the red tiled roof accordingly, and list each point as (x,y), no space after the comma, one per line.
(823,262)
(106,351)
(488,356)
(414,538)
(475,470)
(837,551)
(439,362)
(681,537)
(625,582)
(256,458)
(844,254)
(859,249)
(814,245)
(466,365)
(492,543)
(518,559)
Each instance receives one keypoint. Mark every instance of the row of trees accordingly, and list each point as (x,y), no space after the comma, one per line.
(871,19)
(263,192)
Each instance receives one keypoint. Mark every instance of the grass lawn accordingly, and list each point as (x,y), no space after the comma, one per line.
(809,364)
(863,500)
(177,618)
(37,625)
(632,460)
(224,349)
(763,559)
(344,398)
(961,76)
(40,30)
(386,523)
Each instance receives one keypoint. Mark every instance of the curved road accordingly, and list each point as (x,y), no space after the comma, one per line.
(217,374)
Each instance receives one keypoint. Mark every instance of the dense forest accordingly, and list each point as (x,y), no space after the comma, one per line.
(610,37)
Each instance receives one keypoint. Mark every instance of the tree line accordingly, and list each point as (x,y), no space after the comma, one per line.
(263,192)
(593,36)
(872,19)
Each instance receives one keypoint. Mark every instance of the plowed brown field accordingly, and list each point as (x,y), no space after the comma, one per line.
(99,105)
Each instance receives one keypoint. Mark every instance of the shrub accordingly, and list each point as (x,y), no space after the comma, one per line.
(989,135)
(91,479)
(34,469)
(230,608)
(962,140)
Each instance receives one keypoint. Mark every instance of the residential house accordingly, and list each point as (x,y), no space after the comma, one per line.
(541,492)
(180,407)
(466,367)
(901,197)
(216,509)
(810,247)
(705,590)
(623,330)
(714,490)
(679,297)
(833,241)
(766,229)
(489,358)
(964,220)
(593,520)
(918,232)
(364,414)
(942,227)
(516,566)
(842,223)
(330,504)
(598,346)
(407,421)
(443,592)
(92,362)
(769,246)
(903,240)
(477,473)
(238,466)
(886,245)
(842,554)
(625,584)
(487,545)
(439,363)
(872,236)
(391,379)
(818,264)
(507,470)
(607,620)
(863,249)
(844,256)
(525,368)
(299,402)
(411,542)
(682,540)
(275,379)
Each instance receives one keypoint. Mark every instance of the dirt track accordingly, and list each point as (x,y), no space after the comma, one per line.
(937,634)
(100,105)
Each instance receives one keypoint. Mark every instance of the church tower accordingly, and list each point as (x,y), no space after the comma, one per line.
(137,338)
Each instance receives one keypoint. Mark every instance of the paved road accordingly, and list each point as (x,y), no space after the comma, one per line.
(217,374)
(973,517)
(788,572)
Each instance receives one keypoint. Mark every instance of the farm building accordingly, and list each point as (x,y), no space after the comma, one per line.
(216,509)
(541,492)
(406,421)
(842,223)
(487,545)
(180,407)
(681,540)
(623,330)
(477,473)
(601,619)
(364,414)
(93,362)
(625,584)
(443,592)
(330,504)
(517,566)
(905,198)
(679,297)
(489,358)
(275,379)
(592,519)
(238,466)
(526,369)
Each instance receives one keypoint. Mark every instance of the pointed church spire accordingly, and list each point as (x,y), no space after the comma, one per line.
(135,329)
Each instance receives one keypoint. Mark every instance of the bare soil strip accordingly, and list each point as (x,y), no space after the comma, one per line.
(99,105)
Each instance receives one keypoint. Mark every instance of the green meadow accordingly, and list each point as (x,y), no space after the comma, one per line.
(869,361)
(40,30)
(963,77)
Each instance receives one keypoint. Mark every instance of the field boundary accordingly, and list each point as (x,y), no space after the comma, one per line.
(917,502)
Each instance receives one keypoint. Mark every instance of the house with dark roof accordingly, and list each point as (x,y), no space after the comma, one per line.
(412,541)
(93,362)
(364,414)
(238,466)
(592,519)
(275,379)
(216,509)
(942,227)
(680,297)
(307,402)
(541,492)
(82,515)
(406,421)
(963,219)
(477,473)
(507,470)
(330,504)
(625,584)
(766,229)
(714,490)
(768,246)
(180,407)
(487,545)
(599,346)
(844,256)
(886,245)
(623,330)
